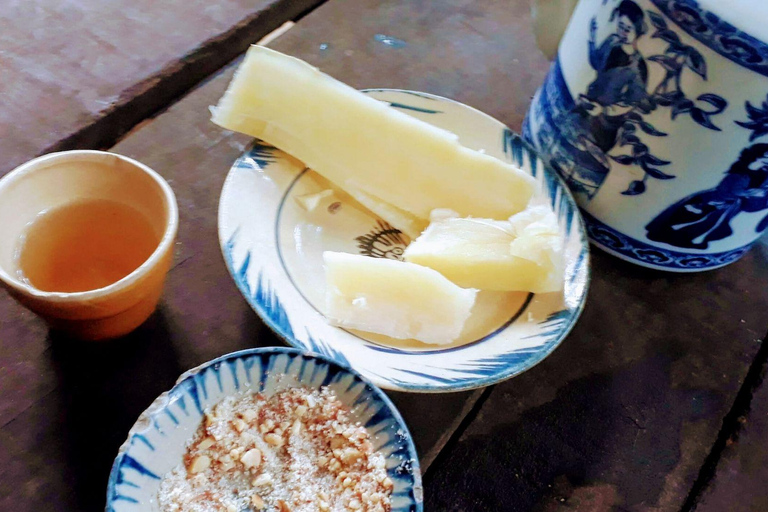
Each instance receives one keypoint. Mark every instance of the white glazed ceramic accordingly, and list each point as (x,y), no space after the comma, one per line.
(655,113)
(157,441)
(57,179)
(273,248)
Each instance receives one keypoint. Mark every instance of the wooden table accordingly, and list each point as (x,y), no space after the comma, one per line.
(653,403)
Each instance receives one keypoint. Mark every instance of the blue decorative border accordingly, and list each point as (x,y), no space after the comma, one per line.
(652,255)
(716,34)
(270,308)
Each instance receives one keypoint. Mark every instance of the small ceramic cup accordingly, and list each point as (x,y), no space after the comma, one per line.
(58,179)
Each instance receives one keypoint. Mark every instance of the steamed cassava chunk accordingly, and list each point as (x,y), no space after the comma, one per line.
(523,253)
(398,299)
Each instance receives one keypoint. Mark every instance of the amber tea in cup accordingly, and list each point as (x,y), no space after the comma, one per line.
(85,245)
(86,239)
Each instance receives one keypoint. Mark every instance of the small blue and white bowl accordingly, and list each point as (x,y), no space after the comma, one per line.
(157,441)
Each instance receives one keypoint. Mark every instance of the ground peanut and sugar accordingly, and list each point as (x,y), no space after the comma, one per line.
(297,451)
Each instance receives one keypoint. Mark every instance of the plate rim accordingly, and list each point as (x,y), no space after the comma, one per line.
(478,382)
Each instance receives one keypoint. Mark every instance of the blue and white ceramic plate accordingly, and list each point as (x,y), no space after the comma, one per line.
(273,248)
(157,442)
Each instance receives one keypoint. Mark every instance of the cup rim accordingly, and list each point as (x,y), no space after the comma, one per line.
(169,235)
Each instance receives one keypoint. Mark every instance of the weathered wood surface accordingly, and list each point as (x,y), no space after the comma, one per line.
(79,73)
(624,413)
(739,480)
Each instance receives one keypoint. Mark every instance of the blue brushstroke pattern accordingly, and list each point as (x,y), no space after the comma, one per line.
(143,439)
(265,299)
(258,156)
(578,266)
(129,462)
(233,370)
(512,145)
(171,415)
(553,327)
(272,309)
(183,405)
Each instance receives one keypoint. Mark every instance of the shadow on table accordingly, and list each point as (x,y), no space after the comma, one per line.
(624,412)
(589,449)
(104,386)
(253,333)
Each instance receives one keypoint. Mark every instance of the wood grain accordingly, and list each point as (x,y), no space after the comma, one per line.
(738,482)
(80,73)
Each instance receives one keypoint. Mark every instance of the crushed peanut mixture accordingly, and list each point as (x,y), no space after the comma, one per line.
(297,451)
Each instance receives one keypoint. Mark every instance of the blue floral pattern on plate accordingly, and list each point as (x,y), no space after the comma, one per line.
(157,441)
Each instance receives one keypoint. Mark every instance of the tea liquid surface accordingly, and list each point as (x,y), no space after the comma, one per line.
(85,245)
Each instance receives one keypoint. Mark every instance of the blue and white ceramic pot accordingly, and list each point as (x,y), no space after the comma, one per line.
(655,112)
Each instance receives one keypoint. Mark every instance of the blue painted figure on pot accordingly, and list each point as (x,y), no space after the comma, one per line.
(706,216)
(593,125)
(612,109)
